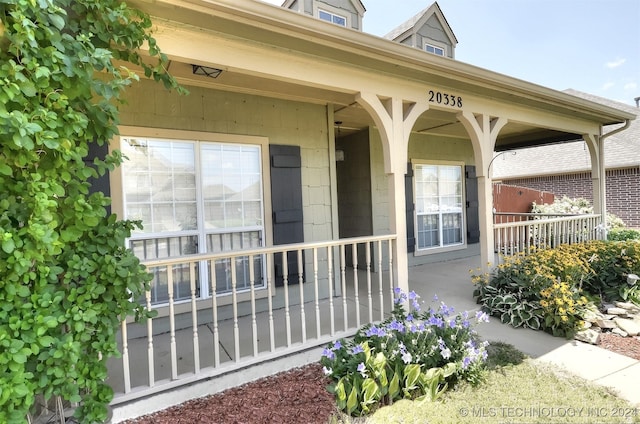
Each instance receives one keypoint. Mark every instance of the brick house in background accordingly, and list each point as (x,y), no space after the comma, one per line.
(565,169)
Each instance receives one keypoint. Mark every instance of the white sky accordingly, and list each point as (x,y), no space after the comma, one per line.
(588,45)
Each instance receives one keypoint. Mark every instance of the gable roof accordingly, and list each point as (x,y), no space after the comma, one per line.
(622,150)
(357,4)
(419,20)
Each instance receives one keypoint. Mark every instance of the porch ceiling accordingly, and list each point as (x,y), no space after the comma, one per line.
(350,117)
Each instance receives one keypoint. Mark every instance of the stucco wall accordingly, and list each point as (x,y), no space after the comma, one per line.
(283,122)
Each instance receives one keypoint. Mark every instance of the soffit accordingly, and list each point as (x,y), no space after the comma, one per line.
(285,30)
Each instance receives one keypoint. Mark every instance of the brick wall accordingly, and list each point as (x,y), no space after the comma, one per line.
(623,190)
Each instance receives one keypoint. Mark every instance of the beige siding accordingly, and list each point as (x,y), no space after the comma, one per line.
(283,122)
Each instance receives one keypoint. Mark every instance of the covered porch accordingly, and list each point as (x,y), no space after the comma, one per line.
(343,99)
(163,366)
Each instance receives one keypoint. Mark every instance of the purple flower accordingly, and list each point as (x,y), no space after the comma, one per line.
(482,316)
(452,323)
(410,317)
(328,353)
(337,345)
(466,362)
(362,369)
(445,310)
(436,321)
(375,331)
(435,297)
(396,325)
(413,295)
(466,323)
(356,349)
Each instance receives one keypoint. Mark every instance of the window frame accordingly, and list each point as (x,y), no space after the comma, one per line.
(434,45)
(196,137)
(441,248)
(334,12)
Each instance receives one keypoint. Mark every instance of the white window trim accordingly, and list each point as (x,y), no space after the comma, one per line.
(117,188)
(334,11)
(440,249)
(437,46)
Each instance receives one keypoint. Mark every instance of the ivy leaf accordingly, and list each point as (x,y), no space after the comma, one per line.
(8,246)
(5,169)
(28,88)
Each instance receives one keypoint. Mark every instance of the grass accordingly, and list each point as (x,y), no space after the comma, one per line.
(517,390)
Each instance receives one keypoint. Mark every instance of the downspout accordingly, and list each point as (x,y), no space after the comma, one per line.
(603,179)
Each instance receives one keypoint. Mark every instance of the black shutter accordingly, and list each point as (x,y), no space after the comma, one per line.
(410,206)
(286,203)
(473,220)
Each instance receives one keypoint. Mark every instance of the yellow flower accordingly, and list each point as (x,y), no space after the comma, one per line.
(564,318)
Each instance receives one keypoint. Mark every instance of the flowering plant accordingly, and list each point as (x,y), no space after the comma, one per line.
(413,355)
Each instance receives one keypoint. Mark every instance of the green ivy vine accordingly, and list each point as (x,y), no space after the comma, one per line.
(66,279)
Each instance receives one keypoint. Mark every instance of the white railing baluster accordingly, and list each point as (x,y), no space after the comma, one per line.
(180,309)
(172,325)
(354,259)
(332,316)
(194,318)
(343,278)
(272,334)
(379,244)
(316,292)
(214,307)
(125,357)
(368,270)
(285,280)
(234,303)
(254,323)
(303,320)
(391,282)
(150,356)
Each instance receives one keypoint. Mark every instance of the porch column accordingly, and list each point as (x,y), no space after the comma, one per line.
(598,177)
(395,119)
(483,131)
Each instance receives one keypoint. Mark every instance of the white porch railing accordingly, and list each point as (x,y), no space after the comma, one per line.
(516,233)
(332,289)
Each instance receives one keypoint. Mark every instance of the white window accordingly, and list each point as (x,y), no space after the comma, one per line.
(439,205)
(332,17)
(194,197)
(430,48)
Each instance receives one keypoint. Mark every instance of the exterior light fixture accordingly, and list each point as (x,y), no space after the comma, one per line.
(206,71)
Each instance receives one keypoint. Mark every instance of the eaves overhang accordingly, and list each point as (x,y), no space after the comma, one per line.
(276,27)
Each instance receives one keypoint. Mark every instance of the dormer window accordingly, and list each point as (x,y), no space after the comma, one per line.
(430,48)
(332,17)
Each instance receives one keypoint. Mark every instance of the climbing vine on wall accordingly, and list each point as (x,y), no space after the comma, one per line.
(66,280)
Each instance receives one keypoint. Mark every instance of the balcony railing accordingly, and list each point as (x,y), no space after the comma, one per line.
(303,296)
(518,232)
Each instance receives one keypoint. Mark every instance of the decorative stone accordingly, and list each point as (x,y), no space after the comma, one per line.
(605,324)
(628,326)
(629,307)
(619,332)
(588,336)
(616,311)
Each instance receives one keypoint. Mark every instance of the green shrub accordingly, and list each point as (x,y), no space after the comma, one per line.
(578,206)
(409,356)
(623,234)
(549,289)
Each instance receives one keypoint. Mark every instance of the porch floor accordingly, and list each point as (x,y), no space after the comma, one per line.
(450,281)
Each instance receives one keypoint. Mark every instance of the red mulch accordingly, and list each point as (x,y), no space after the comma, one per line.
(297,396)
(627,346)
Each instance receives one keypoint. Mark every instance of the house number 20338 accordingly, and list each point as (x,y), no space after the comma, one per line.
(444,99)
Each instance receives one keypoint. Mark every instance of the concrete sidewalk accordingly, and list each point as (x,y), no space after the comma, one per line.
(451,282)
